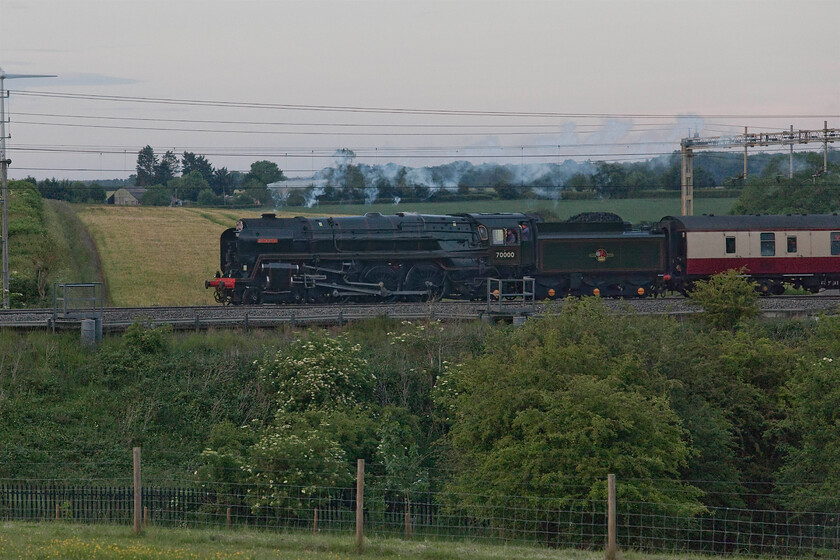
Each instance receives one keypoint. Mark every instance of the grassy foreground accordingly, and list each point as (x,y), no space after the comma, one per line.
(99,542)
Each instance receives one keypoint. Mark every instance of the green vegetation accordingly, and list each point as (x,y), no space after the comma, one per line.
(29,253)
(719,175)
(660,402)
(691,416)
(809,191)
(727,300)
(47,244)
(42,541)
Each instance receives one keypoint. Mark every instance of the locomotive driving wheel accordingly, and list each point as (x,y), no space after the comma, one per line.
(387,278)
(428,278)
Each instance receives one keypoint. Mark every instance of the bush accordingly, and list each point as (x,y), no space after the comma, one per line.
(728,299)
(157,196)
(207,198)
(146,339)
(318,372)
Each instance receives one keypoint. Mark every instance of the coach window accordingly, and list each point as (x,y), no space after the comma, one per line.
(791,242)
(730,245)
(835,242)
(768,244)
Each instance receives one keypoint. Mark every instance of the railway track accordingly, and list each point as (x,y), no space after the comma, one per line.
(257,316)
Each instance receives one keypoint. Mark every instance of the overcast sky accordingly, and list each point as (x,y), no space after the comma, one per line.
(413,82)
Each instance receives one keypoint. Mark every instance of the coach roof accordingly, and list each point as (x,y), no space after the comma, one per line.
(797,222)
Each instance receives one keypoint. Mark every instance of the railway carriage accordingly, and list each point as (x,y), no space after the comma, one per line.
(799,250)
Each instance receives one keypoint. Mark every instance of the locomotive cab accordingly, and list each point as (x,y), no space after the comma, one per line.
(509,239)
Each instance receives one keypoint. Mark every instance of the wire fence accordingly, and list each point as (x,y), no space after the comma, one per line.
(550,521)
(553,515)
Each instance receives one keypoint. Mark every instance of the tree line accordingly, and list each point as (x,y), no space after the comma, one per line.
(193,178)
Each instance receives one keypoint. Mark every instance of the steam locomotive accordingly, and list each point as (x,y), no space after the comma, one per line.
(415,257)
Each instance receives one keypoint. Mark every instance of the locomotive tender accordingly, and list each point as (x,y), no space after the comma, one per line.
(414,257)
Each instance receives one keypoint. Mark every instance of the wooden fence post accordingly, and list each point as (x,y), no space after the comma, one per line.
(360,503)
(138,496)
(315,521)
(227,518)
(612,550)
(407,519)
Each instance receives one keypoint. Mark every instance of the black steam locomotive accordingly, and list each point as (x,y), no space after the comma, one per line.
(414,257)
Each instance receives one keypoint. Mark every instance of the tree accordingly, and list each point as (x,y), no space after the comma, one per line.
(728,299)
(729,389)
(257,191)
(611,179)
(187,187)
(808,478)
(95,193)
(207,198)
(291,465)
(222,182)
(578,182)
(321,388)
(265,172)
(804,194)
(147,163)
(167,168)
(560,404)
(191,162)
(157,195)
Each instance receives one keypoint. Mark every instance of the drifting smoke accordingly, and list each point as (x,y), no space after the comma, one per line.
(393,182)
(346,180)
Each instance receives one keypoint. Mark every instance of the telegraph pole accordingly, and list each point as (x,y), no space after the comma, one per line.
(4,165)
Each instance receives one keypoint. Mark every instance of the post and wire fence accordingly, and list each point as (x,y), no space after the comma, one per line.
(370,506)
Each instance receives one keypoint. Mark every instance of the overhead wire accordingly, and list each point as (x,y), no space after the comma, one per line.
(396,110)
(543,151)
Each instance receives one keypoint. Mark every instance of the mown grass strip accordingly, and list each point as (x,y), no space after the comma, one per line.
(99,542)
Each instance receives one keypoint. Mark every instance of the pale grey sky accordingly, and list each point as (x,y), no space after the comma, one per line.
(615,79)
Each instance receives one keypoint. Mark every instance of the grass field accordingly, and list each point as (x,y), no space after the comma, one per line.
(157,256)
(162,256)
(41,541)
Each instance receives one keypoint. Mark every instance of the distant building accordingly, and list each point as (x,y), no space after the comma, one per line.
(129,196)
